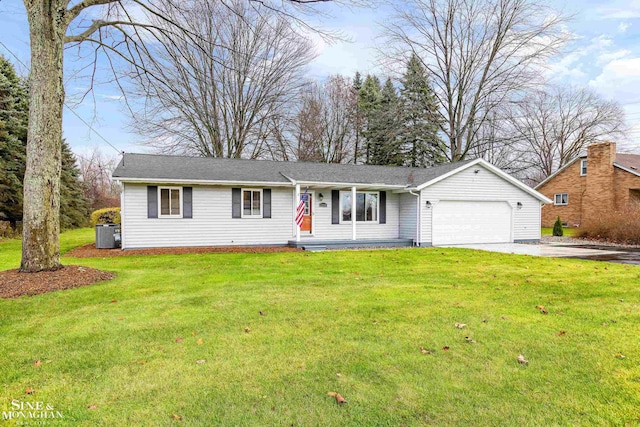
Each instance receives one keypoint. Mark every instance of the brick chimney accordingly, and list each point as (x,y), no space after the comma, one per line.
(599,193)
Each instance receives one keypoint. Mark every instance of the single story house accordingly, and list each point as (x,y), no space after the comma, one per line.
(591,185)
(193,201)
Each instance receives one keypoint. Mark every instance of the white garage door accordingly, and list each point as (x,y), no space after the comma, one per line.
(461,222)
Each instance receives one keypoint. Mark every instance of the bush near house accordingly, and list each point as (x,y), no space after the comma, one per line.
(620,226)
(105,216)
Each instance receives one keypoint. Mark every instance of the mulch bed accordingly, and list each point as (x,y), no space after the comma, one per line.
(90,251)
(14,284)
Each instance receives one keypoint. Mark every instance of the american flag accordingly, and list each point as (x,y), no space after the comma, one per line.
(300,209)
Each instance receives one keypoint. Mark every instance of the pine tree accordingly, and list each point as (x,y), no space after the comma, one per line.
(369,104)
(358,116)
(385,146)
(14,108)
(421,144)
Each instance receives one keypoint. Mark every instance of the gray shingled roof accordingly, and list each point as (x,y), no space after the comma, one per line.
(163,167)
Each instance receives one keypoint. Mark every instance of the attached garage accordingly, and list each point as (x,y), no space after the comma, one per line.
(478,203)
(471,221)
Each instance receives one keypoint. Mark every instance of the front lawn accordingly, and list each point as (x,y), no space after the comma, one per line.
(125,352)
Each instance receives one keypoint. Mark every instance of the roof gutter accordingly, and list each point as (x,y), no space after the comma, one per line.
(200,181)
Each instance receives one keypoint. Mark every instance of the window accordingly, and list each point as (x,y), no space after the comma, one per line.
(366,206)
(252,203)
(170,202)
(583,167)
(561,199)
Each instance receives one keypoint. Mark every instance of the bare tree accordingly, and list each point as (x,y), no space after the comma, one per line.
(478,54)
(95,173)
(121,32)
(550,127)
(324,127)
(216,94)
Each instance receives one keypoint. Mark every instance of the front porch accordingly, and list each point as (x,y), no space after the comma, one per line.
(311,244)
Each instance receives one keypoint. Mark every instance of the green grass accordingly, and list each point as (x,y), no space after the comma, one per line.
(361,313)
(568,232)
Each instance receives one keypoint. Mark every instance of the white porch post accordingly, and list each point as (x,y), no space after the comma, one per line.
(295,212)
(353,213)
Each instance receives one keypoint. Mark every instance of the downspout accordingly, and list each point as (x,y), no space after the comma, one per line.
(418,219)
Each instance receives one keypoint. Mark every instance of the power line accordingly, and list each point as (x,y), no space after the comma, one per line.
(65,104)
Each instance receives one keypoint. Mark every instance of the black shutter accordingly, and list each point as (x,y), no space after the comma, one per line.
(383,207)
(360,203)
(187,202)
(266,203)
(152,201)
(335,207)
(236,203)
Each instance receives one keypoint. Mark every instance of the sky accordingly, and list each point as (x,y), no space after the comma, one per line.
(604,55)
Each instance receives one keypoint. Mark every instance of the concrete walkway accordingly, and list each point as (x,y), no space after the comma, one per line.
(556,250)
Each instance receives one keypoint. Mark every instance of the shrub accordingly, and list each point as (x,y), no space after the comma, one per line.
(621,226)
(105,216)
(557,228)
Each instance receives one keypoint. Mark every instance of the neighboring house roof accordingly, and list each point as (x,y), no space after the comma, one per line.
(627,162)
(181,169)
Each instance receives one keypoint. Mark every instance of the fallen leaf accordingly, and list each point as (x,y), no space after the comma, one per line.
(179,340)
(142,362)
(445,348)
(620,356)
(340,400)
(92,407)
(200,341)
(522,360)
(605,324)
(470,340)
(460,325)
(113,301)
(503,317)
(193,334)
(120,318)
(540,307)
(247,329)
(262,313)
(561,333)
(424,350)
(37,363)
(176,417)
(29,391)
(201,362)
(338,374)
(484,320)
(331,393)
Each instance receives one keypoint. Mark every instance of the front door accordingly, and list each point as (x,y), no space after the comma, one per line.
(308,212)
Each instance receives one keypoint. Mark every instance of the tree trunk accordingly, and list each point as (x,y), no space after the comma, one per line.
(41,211)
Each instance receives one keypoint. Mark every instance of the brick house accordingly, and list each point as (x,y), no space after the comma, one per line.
(591,184)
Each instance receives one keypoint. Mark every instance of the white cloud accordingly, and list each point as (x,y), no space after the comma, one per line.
(623,27)
(619,80)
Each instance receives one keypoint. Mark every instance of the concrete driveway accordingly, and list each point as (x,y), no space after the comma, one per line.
(563,250)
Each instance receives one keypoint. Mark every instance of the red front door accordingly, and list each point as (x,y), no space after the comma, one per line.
(306,217)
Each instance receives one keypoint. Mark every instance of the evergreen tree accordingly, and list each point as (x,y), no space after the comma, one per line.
(385,147)
(421,144)
(369,104)
(14,108)
(358,116)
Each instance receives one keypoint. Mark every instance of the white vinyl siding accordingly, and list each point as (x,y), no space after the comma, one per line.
(483,186)
(408,214)
(211,224)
